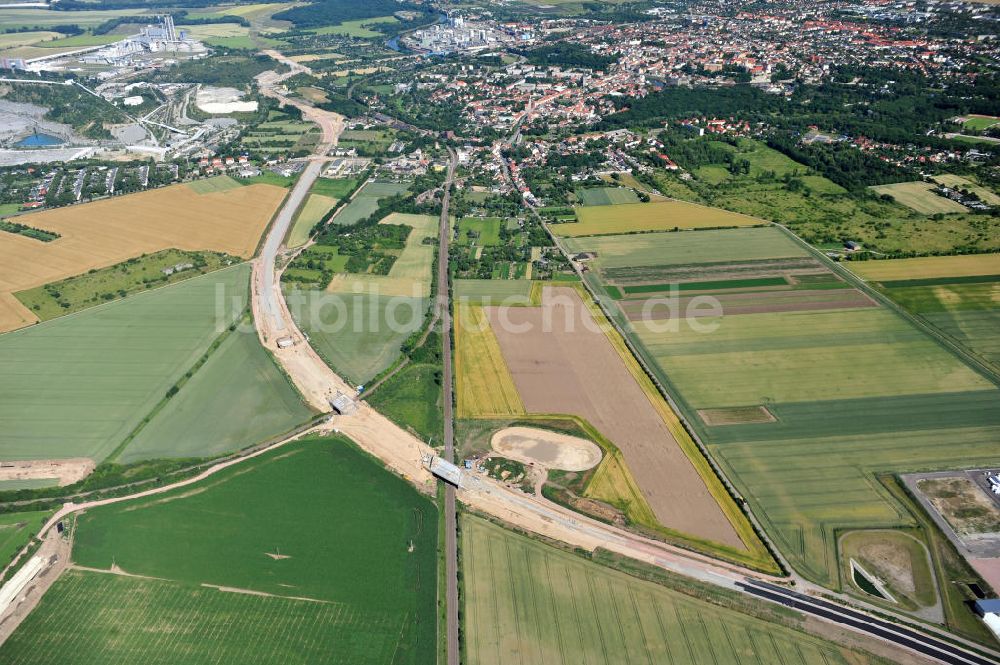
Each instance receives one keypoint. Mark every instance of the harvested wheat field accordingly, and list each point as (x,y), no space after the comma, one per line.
(485,388)
(563,363)
(95,235)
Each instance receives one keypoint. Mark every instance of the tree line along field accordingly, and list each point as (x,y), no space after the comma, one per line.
(102,285)
(262,562)
(959,296)
(365,201)
(78,386)
(653,216)
(851,393)
(528,602)
(110,231)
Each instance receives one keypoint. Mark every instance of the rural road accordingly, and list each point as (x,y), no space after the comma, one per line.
(443,315)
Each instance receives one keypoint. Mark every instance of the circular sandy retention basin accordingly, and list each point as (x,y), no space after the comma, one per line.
(545,448)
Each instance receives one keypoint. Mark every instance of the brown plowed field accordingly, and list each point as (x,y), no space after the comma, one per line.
(573,369)
(95,235)
(759,302)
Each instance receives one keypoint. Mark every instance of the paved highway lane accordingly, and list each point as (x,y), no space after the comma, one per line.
(911,639)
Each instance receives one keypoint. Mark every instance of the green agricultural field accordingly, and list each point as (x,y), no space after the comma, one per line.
(753,359)
(413,397)
(852,393)
(316,519)
(81,41)
(919,197)
(365,202)
(112,283)
(16,529)
(42,17)
(76,386)
(238,398)
(649,249)
(528,602)
(336,188)
(496,291)
(358,335)
(980,122)
(479,231)
(308,216)
(168,623)
(959,296)
(603,196)
(653,216)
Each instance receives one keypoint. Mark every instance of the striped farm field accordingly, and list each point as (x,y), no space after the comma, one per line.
(177,624)
(957,295)
(654,249)
(653,216)
(527,602)
(103,233)
(260,563)
(851,393)
(484,385)
(76,386)
(926,267)
(753,359)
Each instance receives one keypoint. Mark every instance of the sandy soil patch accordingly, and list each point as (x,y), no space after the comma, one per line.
(964,505)
(574,369)
(68,471)
(106,232)
(989,569)
(545,448)
(223,100)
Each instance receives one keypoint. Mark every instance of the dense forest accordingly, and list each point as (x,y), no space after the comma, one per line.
(233,71)
(334,12)
(567,54)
